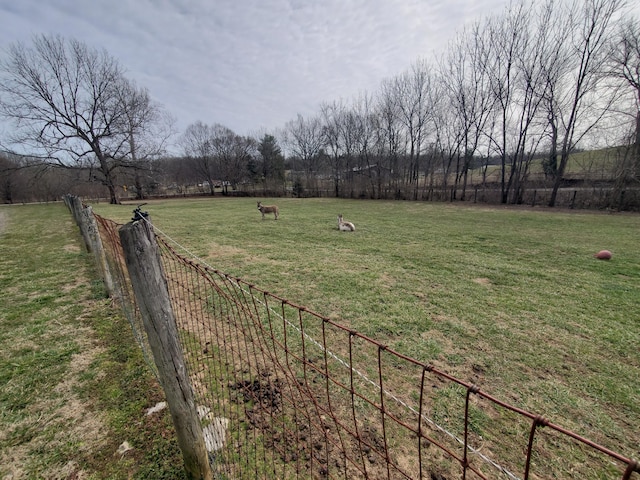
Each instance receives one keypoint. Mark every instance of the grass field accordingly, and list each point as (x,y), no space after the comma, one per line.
(73,383)
(510,299)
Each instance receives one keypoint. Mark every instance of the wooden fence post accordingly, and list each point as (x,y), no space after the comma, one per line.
(86,222)
(93,234)
(142,257)
(79,217)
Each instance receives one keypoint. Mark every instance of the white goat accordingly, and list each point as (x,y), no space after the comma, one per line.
(345,226)
(268,209)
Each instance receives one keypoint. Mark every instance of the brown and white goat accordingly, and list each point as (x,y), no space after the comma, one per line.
(345,226)
(268,209)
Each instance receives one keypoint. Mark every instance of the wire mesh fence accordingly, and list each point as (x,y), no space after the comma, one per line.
(284,392)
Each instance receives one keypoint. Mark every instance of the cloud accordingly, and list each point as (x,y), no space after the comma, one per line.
(252,64)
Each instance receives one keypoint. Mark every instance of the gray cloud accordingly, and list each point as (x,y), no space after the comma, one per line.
(251,64)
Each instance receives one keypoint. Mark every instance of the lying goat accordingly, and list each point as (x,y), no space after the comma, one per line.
(345,226)
(268,209)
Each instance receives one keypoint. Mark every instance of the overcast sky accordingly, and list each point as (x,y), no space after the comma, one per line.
(251,65)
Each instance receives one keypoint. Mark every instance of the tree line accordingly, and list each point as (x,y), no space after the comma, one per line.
(509,102)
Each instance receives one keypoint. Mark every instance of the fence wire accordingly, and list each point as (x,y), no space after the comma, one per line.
(284,392)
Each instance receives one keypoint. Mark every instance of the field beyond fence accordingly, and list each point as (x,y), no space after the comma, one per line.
(284,392)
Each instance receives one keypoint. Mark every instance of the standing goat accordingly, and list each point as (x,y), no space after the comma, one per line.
(345,226)
(268,209)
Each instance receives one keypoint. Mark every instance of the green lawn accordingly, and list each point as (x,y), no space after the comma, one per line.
(73,383)
(510,299)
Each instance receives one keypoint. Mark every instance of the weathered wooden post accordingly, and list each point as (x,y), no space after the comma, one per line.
(93,234)
(86,222)
(142,257)
(66,198)
(78,215)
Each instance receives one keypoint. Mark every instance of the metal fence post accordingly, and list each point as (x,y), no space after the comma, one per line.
(142,258)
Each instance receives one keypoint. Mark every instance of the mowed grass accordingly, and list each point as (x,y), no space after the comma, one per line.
(510,299)
(73,382)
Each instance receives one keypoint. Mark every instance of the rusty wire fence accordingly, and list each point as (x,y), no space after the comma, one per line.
(283,392)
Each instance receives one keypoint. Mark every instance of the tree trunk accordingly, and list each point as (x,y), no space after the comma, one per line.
(139,191)
(564,159)
(113,197)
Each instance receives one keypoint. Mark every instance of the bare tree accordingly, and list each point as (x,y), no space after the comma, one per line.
(149,129)
(578,98)
(448,138)
(350,129)
(304,140)
(232,153)
(197,143)
(469,93)
(332,119)
(516,68)
(66,100)
(556,30)
(364,145)
(391,140)
(625,64)
(413,98)
(348,136)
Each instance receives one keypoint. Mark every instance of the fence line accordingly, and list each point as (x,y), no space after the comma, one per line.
(240,284)
(284,392)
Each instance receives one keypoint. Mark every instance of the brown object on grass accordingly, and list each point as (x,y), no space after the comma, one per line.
(603,255)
